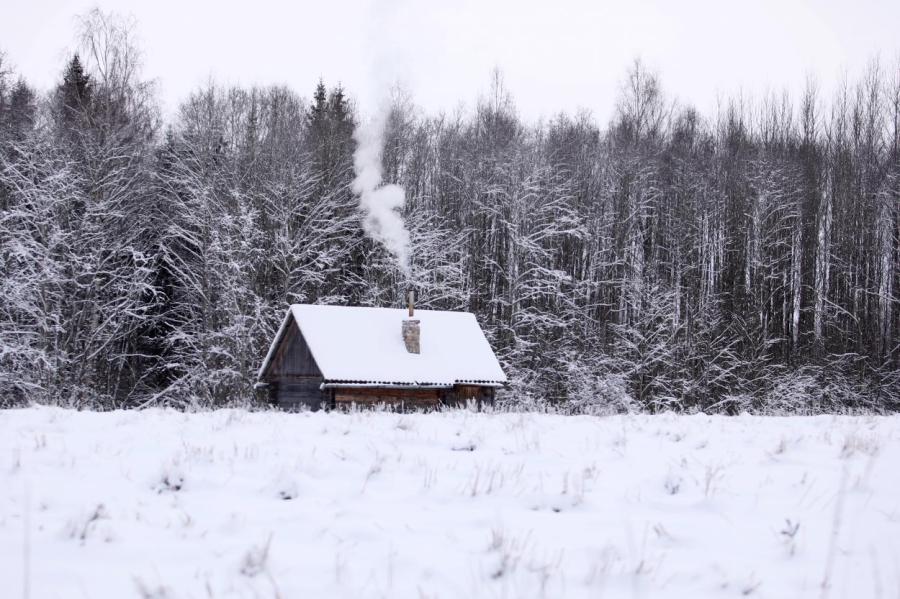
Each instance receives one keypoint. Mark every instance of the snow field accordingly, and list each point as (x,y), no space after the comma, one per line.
(231,503)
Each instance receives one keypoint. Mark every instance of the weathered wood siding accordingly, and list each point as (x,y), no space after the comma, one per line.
(297,394)
(293,376)
(460,395)
(414,399)
(293,358)
(371,396)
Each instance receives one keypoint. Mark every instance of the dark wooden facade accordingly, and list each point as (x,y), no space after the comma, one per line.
(372,396)
(293,378)
(293,381)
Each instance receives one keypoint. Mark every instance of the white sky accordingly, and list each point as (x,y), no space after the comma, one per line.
(555,54)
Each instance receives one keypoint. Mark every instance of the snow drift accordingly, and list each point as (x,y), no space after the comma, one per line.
(235,504)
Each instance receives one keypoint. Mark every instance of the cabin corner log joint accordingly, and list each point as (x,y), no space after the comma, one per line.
(333,356)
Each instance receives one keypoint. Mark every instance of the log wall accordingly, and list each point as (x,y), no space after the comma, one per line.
(371,396)
(414,399)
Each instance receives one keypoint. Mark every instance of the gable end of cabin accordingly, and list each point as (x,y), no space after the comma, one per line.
(292,378)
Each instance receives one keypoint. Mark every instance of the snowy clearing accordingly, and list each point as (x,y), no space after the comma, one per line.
(235,504)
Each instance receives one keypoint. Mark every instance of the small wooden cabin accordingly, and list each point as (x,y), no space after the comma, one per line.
(332,356)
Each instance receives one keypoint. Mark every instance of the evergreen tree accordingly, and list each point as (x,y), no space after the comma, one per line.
(21,110)
(73,94)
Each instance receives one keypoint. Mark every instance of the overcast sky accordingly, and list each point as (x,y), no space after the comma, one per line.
(555,54)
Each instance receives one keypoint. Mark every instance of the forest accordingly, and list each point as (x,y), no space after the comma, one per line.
(746,260)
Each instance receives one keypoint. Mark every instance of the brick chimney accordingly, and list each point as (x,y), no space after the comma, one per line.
(411,326)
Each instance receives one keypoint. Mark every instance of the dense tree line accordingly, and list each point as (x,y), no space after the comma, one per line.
(745,260)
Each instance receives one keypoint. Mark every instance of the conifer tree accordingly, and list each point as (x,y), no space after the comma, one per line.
(73,94)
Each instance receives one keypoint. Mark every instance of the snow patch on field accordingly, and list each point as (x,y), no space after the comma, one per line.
(231,503)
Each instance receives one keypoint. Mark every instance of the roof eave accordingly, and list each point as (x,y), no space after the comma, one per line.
(398,385)
(275,343)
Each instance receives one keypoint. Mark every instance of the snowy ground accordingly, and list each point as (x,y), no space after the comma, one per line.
(236,504)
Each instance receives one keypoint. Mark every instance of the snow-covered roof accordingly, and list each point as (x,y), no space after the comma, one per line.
(360,345)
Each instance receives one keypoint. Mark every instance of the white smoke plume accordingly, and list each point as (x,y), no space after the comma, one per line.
(380,203)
